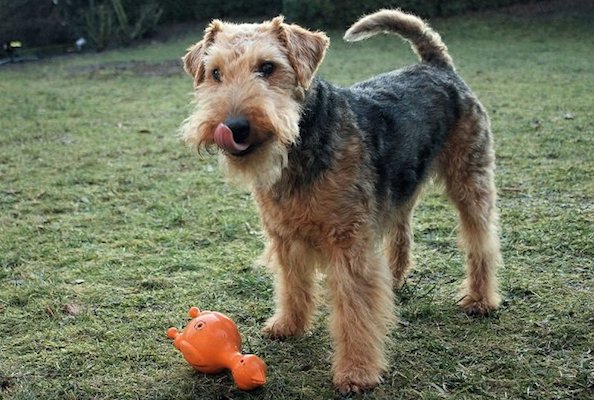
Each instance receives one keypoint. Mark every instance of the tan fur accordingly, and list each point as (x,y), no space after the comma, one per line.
(295,268)
(192,60)
(304,49)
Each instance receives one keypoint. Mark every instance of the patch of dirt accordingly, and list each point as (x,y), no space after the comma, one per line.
(5,383)
(140,68)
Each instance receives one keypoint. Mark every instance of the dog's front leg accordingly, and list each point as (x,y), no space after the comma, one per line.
(362,313)
(294,288)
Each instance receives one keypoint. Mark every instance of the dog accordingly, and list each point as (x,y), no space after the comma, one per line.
(336,172)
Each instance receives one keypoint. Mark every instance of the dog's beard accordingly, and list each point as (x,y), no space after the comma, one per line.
(257,171)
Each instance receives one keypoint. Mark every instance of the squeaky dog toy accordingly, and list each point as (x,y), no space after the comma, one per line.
(210,343)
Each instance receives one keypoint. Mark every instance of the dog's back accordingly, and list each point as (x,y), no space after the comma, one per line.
(406,117)
(402,118)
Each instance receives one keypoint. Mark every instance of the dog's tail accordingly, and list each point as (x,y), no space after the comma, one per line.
(425,41)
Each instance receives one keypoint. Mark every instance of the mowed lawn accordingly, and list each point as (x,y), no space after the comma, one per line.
(110,229)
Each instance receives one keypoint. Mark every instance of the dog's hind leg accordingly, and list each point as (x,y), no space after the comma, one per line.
(398,242)
(467,167)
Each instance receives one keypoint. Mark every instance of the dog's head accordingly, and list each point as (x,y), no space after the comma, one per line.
(250,81)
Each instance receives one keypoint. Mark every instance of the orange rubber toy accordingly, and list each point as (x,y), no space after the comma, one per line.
(210,343)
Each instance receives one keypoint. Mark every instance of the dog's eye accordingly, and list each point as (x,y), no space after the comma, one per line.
(216,75)
(266,69)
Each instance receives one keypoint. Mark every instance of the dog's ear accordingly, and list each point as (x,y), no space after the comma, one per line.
(305,49)
(194,59)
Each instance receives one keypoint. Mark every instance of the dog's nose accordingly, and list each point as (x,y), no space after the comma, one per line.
(240,127)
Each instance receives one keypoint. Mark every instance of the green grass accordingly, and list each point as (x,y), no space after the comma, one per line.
(110,229)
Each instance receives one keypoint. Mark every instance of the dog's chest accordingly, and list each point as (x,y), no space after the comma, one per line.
(293,217)
(329,215)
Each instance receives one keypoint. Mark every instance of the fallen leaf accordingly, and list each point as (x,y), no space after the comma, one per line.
(72,309)
(49,311)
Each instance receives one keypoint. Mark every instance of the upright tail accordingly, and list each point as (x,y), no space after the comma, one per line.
(425,41)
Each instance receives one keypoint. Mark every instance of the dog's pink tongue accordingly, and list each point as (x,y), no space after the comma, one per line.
(224,139)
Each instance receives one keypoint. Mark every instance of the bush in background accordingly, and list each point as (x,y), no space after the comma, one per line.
(205,10)
(33,22)
(116,22)
(341,14)
(60,22)
(329,13)
(122,21)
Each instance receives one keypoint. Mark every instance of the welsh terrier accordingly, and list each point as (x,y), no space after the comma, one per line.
(336,172)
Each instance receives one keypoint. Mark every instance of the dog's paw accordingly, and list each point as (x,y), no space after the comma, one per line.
(356,380)
(279,327)
(480,306)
